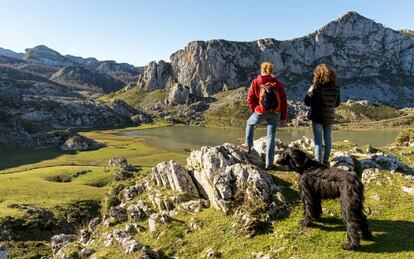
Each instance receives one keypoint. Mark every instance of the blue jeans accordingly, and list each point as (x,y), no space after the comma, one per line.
(320,130)
(272,120)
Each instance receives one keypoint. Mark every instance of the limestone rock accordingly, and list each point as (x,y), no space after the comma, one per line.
(158,218)
(58,241)
(133,191)
(368,175)
(80,143)
(118,161)
(118,213)
(260,146)
(408,190)
(138,210)
(179,94)
(156,76)
(174,176)
(93,223)
(193,205)
(224,172)
(303,143)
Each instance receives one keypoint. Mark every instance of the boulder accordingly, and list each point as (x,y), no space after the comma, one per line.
(158,218)
(193,205)
(224,171)
(138,210)
(173,176)
(409,190)
(368,175)
(133,191)
(118,213)
(260,146)
(58,241)
(179,94)
(80,143)
(118,161)
(303,143)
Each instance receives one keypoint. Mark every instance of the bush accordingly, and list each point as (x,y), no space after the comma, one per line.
(406,137)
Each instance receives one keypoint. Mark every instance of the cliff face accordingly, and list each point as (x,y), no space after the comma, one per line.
(372,62)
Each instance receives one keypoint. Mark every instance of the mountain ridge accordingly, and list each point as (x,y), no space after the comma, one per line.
(366,55)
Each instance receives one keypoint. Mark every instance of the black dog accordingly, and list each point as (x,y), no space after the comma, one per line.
(317,182)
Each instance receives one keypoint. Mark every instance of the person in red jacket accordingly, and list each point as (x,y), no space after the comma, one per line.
(261,114)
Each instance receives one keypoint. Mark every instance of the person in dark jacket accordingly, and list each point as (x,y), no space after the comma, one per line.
(260,114)
(323,97)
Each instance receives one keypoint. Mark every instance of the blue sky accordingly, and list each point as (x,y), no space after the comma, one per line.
(141,31)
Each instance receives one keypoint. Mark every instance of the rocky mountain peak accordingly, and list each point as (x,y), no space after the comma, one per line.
(47,56)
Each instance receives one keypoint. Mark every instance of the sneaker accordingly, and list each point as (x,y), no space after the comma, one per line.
(245,148)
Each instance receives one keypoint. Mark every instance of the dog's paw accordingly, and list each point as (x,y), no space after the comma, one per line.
(350,246)
(306,223)
(367,236)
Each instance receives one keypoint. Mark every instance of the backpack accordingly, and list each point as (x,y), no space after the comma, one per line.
(269,98)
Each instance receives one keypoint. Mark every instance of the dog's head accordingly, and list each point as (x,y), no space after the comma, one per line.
(294,158)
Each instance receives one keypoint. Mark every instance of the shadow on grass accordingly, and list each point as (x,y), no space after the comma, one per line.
(390,236)
(10,156)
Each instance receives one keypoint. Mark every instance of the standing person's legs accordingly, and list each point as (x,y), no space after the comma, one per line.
(254,119)
(327,138)
(317,134)
(272,123)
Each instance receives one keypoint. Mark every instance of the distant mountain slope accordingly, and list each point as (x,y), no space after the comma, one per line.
(88,74)
(372,62)
(82,78)
(409,33)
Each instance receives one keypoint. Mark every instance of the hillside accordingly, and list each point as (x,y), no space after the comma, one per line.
(148,214)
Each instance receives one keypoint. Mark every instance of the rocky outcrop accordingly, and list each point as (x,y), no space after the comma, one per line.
(179,94)
(58,241)
(156,76)
(66,140)
(80,143)
(47,56)
(173,176)
(85,79)
(367,57)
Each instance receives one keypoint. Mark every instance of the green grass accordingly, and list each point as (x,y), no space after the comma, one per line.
(391,220)
(25,175)
(136,97)
(357,111)
(233,114)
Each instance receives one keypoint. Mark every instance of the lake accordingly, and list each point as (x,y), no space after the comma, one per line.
(181,137)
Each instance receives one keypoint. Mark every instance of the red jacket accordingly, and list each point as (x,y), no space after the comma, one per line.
(254,92)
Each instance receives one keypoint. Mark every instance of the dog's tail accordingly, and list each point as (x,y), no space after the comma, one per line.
(367,213)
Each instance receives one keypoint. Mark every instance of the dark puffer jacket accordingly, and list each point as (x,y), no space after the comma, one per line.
(323,100)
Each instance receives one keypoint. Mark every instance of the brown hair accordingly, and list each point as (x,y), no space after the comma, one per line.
(266,68)
(323,74)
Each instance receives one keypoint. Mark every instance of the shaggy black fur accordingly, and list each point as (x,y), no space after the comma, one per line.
(317,182)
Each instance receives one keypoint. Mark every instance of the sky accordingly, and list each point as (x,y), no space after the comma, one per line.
(140,31)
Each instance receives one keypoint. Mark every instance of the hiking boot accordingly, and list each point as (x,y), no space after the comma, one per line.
(245,148)
(271,167)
